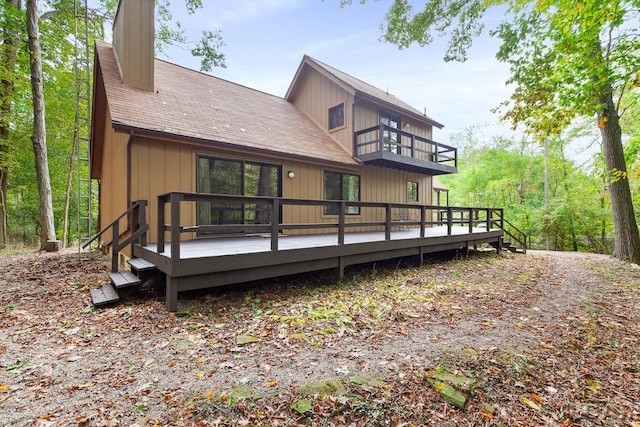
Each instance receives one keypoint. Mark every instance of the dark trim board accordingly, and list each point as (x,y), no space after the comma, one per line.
(209,263)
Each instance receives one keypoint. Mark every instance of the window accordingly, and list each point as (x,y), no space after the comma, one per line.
(336,116)
(412,191)
(391,139)
(341,186)
(236,177)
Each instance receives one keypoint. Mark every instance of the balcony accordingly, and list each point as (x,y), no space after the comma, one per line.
(393,148)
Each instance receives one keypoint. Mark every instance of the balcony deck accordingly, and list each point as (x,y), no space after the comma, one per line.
(393,148)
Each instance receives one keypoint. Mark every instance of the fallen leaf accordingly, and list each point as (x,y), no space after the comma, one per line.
(209,394)
(302,406)
(246,339)
(200,374)
(537,398)
(530,403)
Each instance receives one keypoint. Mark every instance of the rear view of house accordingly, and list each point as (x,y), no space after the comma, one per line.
(235,163)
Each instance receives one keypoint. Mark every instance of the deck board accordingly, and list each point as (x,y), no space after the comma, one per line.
(237,245)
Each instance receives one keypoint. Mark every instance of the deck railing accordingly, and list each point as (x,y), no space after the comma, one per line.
(396,216)
(386,138)
(137,223)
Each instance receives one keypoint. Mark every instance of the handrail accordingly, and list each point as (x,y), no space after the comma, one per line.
(517,235)
(438,151)
(101,232)
(470,217)
(139,225)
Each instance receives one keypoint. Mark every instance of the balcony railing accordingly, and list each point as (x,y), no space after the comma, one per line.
(389,147)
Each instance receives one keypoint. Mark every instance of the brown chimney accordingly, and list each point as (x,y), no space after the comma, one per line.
(133,32)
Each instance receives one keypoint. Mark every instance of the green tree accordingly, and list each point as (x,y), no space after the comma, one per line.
(18,189)
(568,59)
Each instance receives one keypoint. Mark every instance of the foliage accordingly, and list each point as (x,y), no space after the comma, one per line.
(56,37)
(574,215)
(568,59)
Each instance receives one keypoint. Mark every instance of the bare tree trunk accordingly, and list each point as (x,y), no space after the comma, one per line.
(39,139)
(8,51)
(627,239)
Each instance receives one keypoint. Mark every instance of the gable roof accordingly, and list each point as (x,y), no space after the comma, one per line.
(190,104)
(359,88)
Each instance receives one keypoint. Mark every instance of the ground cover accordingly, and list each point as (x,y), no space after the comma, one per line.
(537,339)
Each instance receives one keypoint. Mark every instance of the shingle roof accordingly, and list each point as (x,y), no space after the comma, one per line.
(364,88)
(196,105)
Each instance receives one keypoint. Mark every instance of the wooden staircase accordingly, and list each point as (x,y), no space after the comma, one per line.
(141,270)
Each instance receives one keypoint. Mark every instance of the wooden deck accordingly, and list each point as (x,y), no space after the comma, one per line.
(261,251)
(214,262)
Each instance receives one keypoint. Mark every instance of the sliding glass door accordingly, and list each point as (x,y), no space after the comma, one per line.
(236,177)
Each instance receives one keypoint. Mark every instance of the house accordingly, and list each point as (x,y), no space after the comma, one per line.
(161,129)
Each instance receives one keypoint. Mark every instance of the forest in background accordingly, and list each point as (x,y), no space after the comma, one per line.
(499,172)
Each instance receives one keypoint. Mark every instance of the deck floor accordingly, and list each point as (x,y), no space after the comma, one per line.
(237,245)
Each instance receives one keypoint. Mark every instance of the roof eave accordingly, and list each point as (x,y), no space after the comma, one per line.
(414,114)
(186,139)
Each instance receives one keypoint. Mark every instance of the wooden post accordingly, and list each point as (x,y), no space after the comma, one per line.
(142,220)
(423,218)
(114,246)
(472,213)
(160,225)
(175,226)
(449,220)
(387,223)
(343,210)
(340,269)
(172,293)
(275,223)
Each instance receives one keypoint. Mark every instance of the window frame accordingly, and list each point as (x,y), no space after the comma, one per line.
(410,191)
(351,210)
(344,118)
(243,164)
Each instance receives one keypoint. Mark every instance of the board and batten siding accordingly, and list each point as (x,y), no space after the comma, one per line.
(316,95)
(159,167)
(113,181)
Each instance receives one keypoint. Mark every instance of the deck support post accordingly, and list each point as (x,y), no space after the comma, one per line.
(423,219)
(421,256)
(175,200)
(340,269)
(172,294)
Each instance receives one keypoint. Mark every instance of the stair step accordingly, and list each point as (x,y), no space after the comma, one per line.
(122,279)
(141,264)
(105,295)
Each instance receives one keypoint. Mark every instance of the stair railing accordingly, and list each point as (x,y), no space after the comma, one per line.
(139,226)
(511,230)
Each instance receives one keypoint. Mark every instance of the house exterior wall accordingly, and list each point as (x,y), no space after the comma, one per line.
(113,181)
(159,167)
(315,95)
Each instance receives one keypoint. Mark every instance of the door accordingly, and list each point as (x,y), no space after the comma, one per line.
(236,177)
(390,139)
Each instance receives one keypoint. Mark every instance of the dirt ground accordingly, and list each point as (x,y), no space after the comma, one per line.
(544,339)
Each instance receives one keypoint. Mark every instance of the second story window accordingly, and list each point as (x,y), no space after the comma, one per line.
(336,116)
(412,191)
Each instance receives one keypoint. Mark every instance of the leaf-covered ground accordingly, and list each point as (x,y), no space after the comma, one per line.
(537,339)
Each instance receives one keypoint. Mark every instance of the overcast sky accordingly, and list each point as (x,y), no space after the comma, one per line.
(266,39)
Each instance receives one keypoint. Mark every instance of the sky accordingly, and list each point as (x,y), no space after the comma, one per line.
(265,41)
